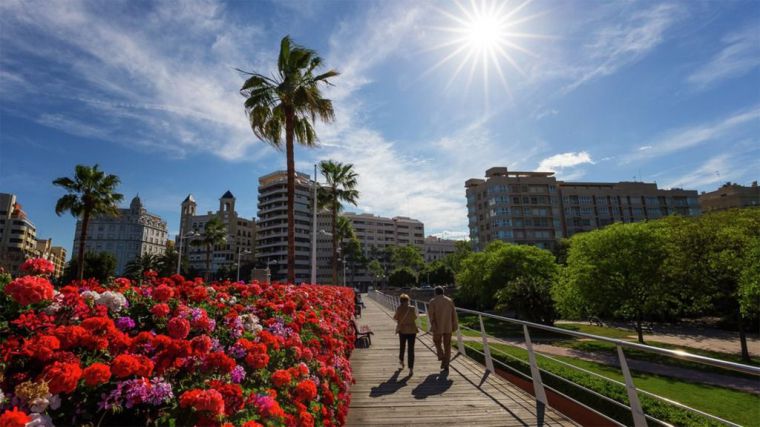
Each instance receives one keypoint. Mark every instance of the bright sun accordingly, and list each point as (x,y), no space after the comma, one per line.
(485,35)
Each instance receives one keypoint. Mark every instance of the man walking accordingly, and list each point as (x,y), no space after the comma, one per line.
(443,321)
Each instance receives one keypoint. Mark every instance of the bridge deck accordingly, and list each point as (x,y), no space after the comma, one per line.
(384,395)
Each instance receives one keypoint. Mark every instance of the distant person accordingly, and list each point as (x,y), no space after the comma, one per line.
(406,328)
(443,322)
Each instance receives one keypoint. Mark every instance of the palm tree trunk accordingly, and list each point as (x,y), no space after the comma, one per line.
(334,238)
(208,261)
(82,240)
(289,116)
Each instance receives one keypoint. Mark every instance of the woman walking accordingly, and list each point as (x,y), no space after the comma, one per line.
(406,328)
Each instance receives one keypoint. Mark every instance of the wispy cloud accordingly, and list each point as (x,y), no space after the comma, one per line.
(689,137)
(721,168)
(625,42)
(564,160)
(117,73)
(740,54)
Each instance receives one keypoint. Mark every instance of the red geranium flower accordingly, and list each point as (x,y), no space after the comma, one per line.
(219,362)
(306,390)
(160,310)
(281,378)
(96,374)
(162,293)
(41,347)
(178,328)
(203,400)
(38,266)
(29,290)
(14,418)
(125,365)
(62,377)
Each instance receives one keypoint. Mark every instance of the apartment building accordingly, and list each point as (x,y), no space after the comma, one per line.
(534,208)
(241,235)
(18,239)
(437,248)
(272,235)
(132,233)
(730,195)
(376,233)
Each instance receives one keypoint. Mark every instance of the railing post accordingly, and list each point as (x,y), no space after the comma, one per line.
(486,350)
(639,420)
(427,314)
(460,342)
(535,373)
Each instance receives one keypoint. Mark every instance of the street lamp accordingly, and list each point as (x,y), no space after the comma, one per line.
(314,231)
(245,252)
(269,272)
(191,235)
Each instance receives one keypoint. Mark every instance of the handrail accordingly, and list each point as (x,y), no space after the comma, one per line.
(639,417)
(747,369)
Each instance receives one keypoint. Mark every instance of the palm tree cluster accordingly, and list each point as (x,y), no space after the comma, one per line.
(289,103)
(214,233)
(90,193)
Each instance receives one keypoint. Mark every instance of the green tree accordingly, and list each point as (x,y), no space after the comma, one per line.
(168,262)
(462,249)
(749,282)
(98,265)
(340,188)
(402,277)
(90,193)
(142,263)
(511,276)
(407,257)
(214,233)
(376,270)
(618,271)
(437,273)
(289,102)
(353,255)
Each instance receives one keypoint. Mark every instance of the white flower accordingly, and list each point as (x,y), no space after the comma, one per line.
(39,404)
(55,402)
(251,323)
(115,301)
(40,420)
(2,396)
(90,295)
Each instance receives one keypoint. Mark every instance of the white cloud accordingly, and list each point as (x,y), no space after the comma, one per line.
(623,43)
(561,161)
(142,76)
(645,147)
(689,137)
(740,54)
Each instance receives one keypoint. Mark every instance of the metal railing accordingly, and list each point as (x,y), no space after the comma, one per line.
(634,405)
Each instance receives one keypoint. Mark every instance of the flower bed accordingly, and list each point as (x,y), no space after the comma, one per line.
(171,351)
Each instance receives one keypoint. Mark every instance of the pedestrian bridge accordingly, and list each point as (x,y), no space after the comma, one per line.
(467,396)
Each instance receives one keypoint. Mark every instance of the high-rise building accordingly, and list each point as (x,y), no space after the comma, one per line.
(534,208)
(18,239)
(132,233)
(436,248)
(272,236)
(376,233)
(241,235)
(730,196)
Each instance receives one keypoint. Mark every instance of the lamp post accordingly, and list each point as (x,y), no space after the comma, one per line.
(189,235)
(269,272)
(314,231)
(245,252)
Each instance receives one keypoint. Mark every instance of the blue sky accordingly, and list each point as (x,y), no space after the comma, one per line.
(662,91)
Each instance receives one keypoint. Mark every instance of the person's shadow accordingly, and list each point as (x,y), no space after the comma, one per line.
(433,384)
(390,386)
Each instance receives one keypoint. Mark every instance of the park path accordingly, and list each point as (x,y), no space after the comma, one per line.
(729,381)
(385,395)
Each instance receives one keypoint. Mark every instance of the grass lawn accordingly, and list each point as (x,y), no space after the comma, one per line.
(736,406)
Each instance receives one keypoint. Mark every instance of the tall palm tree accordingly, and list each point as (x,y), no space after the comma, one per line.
(214,233)
(340,188)
(90,192)
(289,102)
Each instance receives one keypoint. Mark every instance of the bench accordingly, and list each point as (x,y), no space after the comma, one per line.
(363,335)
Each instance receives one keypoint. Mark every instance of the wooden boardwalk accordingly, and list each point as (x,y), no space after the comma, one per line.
(385,395)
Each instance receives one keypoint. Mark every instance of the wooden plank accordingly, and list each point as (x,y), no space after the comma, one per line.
(385,395)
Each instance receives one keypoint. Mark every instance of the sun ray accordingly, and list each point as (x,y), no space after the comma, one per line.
(483,34)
